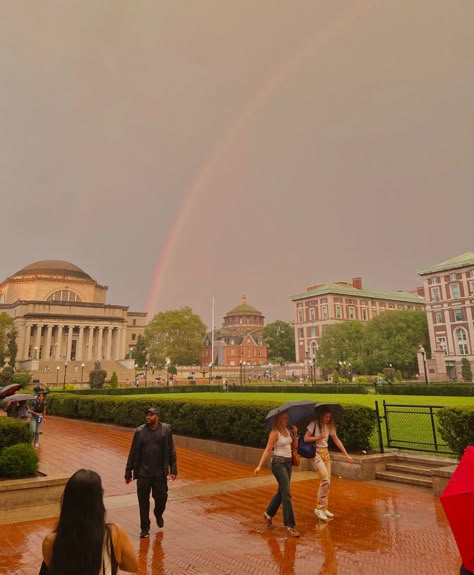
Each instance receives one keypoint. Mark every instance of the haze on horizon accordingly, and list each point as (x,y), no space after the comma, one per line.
(323,140)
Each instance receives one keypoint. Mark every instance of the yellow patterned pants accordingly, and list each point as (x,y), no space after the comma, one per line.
(321,463)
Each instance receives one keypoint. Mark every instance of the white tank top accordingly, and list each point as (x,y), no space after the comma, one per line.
(282,447)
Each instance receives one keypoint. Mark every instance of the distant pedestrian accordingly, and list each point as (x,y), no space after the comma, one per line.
(151,460)
(319,431)
(38,415)
(280,442)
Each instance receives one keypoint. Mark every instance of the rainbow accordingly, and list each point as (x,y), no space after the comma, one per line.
(224,144)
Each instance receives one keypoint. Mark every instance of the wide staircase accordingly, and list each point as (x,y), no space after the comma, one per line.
(75,373)
(413,469)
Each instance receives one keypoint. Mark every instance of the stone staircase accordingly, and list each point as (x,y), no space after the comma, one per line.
(74,371)
(419,470)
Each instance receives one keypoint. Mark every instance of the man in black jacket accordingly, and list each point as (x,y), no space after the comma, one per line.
(151,460)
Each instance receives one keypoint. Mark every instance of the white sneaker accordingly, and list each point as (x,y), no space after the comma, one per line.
(329,515)
(36,444)
(320,514)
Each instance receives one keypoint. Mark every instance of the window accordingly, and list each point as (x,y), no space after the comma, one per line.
(313,332)
(64,295)
(373,303)
(471,274)
(453,277)
(232,352)
(134,336)
(338,312)
(436,280)
(300,333)
(458,315)
(439,317)
(471,287)
(324,311)
(455,291)
(364,314)
(435,294)
(300,316)
(134,322)
(461,338)
(312,314)
(351,312)
(391,306)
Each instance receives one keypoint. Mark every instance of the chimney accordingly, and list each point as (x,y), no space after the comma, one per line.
(420,291)
(357,283)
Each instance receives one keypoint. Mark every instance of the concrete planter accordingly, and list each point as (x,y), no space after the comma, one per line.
(31,491)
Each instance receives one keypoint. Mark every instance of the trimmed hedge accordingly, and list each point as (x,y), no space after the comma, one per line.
(233,422)
(456,425)
(13,431)
(452,389)
(18,460)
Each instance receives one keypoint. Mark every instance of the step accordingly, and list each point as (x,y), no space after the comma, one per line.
(410,468)
(408,478)
(425,460)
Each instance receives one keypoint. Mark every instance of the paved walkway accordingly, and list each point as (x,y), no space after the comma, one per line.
(213,522)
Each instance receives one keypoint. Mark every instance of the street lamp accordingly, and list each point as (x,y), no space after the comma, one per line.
(146,371)
(65,371)
(423,354)
(270,371)
(57,374)
(136,367)
(241,367)
(83,365)
(210,373)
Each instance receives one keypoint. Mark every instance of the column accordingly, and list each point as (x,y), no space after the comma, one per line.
(36,350)
(124,343)
(99,352)
(108,348)
(91,343)
(47,347)
(69,343)
(27,342)
(59,341)
(80,343)
(118,343)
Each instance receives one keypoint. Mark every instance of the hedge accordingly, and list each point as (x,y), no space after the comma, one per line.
(456,425)
(233,422)
(18,460)
(13,431)
(453,389)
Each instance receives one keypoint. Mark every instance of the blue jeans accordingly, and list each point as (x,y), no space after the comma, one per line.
(35,427)
(281,469)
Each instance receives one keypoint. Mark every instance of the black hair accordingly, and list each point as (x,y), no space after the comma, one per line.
(81,528)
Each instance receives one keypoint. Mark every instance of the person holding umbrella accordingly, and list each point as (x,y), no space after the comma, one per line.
(38,414)
(281,441)
(318,432)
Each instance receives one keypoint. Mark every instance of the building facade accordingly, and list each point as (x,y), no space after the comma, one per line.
(449,289)
(239,341)
(61,315)
(326,304)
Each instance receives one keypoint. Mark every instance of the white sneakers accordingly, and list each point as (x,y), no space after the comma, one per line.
(323,514)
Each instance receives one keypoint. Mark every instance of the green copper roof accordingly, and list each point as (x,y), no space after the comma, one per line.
(464,260)
(349,290)
(244,308)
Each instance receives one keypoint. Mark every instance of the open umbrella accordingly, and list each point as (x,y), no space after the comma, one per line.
(458,502)
(9,389)
(335,408)
(18,397)
(298,411)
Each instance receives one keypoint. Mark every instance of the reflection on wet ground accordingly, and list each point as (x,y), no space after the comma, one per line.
(216,528)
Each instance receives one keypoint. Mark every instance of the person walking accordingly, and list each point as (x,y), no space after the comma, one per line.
(151,460)
(38,415)
(319,431)
(82,542)
(280,442)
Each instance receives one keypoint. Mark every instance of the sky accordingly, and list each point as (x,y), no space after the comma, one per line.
(183,150)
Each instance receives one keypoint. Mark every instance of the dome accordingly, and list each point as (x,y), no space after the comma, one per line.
(53,268)
(244,308)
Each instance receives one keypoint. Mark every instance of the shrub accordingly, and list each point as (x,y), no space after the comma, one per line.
(114,380)
(22,377)
(6,376)
(449,389)
(13,431)
(362,379)
(456,425)
(466,369)
(18,460)
(69,386)
(97,376)
(335,376)
(240,422)
(398,376)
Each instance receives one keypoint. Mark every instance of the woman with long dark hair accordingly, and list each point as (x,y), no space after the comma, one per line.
(82,542)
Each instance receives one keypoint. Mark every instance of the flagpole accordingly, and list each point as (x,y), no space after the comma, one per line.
(212,333)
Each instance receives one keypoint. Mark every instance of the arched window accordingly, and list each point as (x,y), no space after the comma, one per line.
(64,295)
(463,345)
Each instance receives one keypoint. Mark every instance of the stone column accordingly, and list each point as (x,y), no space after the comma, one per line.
(39,329)
(80,343)
(59,341)
(108,348)
(118,343)
(26,348)
(90,343)
(47,347)
(69,343)
(99,352)
(124,342)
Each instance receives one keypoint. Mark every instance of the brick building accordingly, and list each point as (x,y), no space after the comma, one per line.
(449,289)
(239,341)
(325,304)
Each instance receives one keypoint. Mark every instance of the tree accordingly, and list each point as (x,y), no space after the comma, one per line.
(97,376)
(466,369)
(12,345)
(6,323)
(139,353)
(342,342)
(280,338)
(393,339)
(176,334)
(114,380)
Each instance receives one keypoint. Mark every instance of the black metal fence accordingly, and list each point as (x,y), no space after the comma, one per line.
(411,427)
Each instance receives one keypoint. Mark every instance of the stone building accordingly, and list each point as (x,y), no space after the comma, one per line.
(239,341)
(61,315)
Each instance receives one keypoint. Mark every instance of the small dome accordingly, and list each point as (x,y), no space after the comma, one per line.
(53,268)
(244,308)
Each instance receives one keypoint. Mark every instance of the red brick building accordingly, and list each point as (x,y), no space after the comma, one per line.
(239,341)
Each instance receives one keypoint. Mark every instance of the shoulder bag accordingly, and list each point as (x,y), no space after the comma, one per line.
(305,448)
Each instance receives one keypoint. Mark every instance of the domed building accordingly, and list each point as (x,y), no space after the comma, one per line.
(61,315)
(239,341)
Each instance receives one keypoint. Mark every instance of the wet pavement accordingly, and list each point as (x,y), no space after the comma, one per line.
(213,522)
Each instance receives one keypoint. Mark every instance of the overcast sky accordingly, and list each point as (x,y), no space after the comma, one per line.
(315,140)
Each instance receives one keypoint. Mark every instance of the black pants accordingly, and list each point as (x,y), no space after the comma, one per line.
(158,486)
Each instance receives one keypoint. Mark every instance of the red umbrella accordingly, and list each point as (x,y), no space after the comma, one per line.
(458,502)
(9,390)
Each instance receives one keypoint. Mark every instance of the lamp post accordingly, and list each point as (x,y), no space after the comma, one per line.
(270,371)
(241,367)
(210,373)
(244,364)
(57,374)
(167,362)
(65,371)
(83,365)
(423,354)
(146,371)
